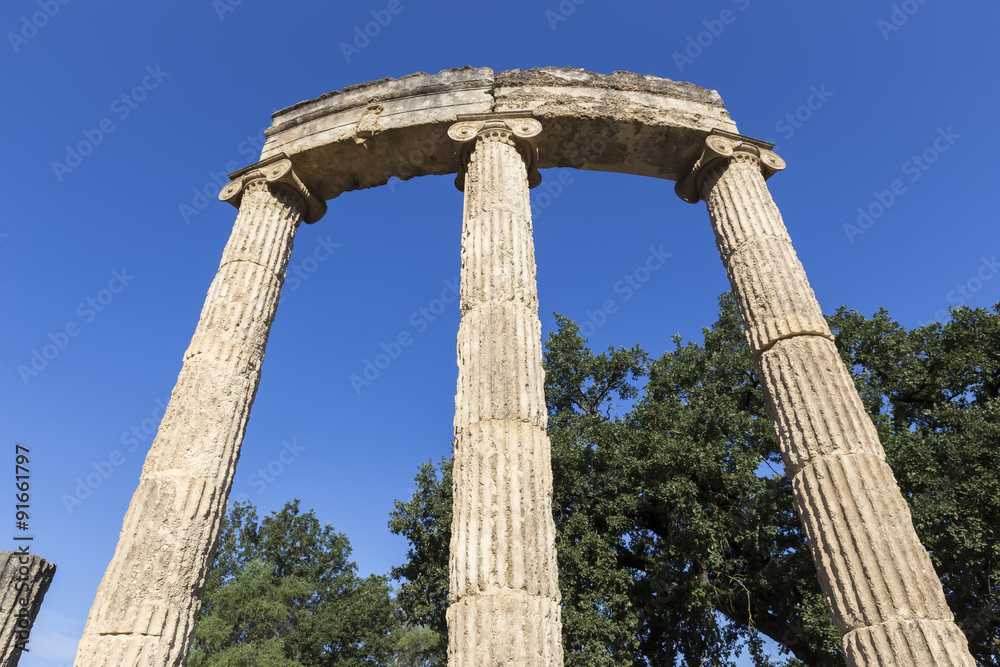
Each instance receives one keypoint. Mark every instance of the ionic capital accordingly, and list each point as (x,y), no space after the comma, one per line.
(514,128)
(276,171)
(721,145)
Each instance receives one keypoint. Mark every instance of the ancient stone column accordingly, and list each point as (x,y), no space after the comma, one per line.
(146,604)
(24,580)
(504,589)
(877,577)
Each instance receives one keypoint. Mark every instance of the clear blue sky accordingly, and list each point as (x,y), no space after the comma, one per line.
(99,243)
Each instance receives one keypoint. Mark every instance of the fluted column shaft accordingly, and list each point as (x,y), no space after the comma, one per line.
(146,604)
(503,583)
(878,579)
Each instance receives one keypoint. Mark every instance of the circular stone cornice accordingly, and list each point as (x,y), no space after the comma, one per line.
(363,135)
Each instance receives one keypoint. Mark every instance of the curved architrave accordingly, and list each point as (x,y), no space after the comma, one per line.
(622,122)
(890,606)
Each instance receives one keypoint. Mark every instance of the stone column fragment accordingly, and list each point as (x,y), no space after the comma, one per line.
(24,580)
(504,589)
(878,579)
(146,604)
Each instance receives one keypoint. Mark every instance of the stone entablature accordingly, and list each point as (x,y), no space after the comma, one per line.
(363,135)
(495,131)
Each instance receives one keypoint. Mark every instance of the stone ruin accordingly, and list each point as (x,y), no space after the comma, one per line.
(496,131)
(24,581)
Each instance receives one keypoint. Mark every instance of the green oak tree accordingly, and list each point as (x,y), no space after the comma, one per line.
(677,536)
(283,592)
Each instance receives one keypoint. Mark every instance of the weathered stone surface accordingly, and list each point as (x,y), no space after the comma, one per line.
(501,343)
(768,280)
(620,122)
(504,594)
(877,577)
(503,589)
(147,602)
(904,643)
(813,403)
(24,580)
(871,565)
(505,628)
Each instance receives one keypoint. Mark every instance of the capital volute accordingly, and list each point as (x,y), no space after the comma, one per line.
(721,145)
(278,172)
(515,128)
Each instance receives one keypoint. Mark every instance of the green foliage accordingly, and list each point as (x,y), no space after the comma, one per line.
(426,522)
(663,518)
(417,647)
(677,537)
(283,592)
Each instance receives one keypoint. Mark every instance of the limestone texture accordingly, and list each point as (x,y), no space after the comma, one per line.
(504,599)
(363,135)
(878,579)
(503,591)
(147,602)
(25,578)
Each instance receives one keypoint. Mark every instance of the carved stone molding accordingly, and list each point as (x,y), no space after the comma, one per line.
(516,128)
(275,171)
(722,145)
